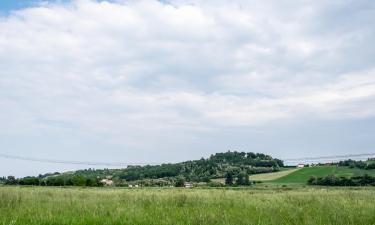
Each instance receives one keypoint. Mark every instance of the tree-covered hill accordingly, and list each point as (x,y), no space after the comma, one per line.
(215,166)
(202,170)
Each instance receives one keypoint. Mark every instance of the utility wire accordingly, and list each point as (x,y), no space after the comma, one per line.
(87,163)
(123,164)
(332,157)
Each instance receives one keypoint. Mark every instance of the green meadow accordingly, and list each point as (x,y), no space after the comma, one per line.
(302,175)
(107,206)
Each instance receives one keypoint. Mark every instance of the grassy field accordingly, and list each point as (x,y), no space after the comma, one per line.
(303,174)
(271,176)
(105,206)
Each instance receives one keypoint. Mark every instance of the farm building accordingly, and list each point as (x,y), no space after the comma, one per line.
(301,165)
(107,182)
(188,185)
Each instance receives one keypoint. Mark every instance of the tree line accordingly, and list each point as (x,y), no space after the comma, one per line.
(202,170)
(238,165)
(75,180)
(366,165)
(332,180)
(241,179)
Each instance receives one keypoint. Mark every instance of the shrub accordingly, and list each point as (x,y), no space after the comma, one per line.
(180,182)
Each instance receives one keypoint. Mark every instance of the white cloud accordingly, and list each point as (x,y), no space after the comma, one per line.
(141,67)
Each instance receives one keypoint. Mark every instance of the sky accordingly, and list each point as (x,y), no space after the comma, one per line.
(169,81)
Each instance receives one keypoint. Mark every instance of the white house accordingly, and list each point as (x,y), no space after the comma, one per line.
(107,182)
(300,165)
(188,185)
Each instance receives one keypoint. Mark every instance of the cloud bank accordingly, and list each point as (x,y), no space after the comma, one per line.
(129,72)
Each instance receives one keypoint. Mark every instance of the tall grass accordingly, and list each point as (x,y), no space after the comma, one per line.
(49,206)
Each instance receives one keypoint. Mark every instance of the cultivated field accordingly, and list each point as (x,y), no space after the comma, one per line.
(101,206)
(271,176)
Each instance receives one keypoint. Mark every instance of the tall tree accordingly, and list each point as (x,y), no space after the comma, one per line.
(11,180)
(229,178)
(180,181)
(240,179)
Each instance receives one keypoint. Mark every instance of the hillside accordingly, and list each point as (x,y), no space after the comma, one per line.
(302,175)
(272,176)
(202,170)
(215,166)
(228,168)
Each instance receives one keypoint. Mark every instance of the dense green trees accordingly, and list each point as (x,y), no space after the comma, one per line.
(78,180)
(229,178)
(155,172)
(11,180)
(238,164)
(180,181)
(75,180)
(202,170)
(242,179)
(216,166)
(333,180)
(29,181)
(250,158)
(367,165)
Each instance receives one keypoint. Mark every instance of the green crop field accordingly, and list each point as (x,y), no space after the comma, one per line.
(106,206)
(303,174)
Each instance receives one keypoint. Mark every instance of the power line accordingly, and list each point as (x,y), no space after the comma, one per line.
(123,164)
(86,163)
(331,157)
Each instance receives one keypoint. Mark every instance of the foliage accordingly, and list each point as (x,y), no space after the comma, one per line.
(333,180)
(78,180)
(180,182)
(229,178)
(54,181)
(216,166)
(367,165)
(242,179)
(11,180)
(29,181)
(202,170)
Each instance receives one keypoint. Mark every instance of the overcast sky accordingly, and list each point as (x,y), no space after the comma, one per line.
(168,81)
